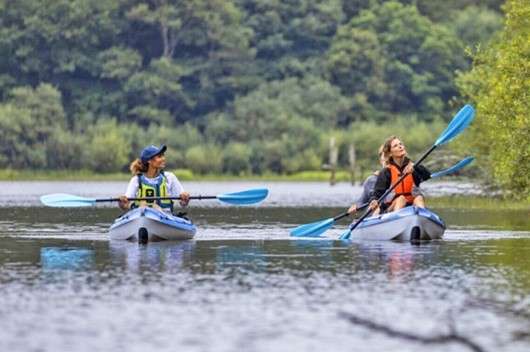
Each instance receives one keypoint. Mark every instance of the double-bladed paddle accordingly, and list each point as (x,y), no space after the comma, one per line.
(315,229)
(459,123)
(459,165)
(250,196)
(461,120)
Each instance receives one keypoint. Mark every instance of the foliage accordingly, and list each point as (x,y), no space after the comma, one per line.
(236,157)
(485,23)
(203,159)
(367,137)
(392,57)
(30,120)
(498,84)
(234,86)
(107,147)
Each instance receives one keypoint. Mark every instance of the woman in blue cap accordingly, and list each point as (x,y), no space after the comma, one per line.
(150,180)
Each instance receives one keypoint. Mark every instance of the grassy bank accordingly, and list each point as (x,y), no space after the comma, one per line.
(475,202)
(65,175)
(182,174)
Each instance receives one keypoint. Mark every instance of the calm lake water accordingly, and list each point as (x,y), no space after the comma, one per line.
(244,285)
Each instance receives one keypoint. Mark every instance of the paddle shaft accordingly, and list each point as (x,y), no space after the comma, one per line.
(153,198)
(343,215)
(364,205)
(380,200)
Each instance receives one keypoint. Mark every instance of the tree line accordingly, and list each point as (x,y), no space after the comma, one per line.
(232,86)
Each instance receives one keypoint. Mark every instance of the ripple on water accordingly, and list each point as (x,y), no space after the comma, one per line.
(245,285)
(230,307)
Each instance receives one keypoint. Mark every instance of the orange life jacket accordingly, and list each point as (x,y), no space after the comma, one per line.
(405,187)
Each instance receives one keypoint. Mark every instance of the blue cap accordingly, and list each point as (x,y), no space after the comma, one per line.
(151,151)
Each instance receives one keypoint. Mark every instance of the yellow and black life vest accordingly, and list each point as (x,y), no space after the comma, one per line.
(405,187)
(158,188)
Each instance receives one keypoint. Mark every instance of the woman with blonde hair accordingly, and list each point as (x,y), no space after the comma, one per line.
(397,164)
(150,180)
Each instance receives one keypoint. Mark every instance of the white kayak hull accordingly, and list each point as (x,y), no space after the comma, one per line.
(148,224)
(408,224)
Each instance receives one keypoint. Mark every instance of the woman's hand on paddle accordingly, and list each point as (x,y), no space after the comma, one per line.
(409,168)
(123,202)
(353,209)
(184,199)
(374,204)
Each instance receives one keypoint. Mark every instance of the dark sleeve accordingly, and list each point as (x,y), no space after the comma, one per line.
(420,174)
(382,184)
(368,190)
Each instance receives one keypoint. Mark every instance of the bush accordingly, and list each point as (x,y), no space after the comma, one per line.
(183,174)
(204,159)
(107,149)
(236,159)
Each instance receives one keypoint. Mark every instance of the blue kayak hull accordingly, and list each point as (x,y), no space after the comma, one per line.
(149,224)
(409,223)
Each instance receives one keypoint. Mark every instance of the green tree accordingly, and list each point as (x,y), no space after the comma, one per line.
(485,22)
(204,159)
(499,85)
(417,57)
(236,157)
(156,93)
(440,11)
(208,37)
(28,121)
(107,149)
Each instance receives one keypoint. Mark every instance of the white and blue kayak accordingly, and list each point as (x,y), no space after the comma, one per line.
(408,224)
(148,224)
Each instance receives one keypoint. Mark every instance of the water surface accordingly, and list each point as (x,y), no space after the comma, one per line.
(244,285)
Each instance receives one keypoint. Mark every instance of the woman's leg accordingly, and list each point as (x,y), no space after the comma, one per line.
(419,201)
(398,203)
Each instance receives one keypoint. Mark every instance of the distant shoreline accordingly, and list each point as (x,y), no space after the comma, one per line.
(445,201)
(182,174)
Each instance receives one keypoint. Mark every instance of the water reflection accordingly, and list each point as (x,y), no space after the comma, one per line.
(250,255)
(248,291)
(66,258)
(398,259)
(218,256)
(160,256)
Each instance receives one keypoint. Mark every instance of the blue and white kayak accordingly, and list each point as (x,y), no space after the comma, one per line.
(149,224)
(408,224)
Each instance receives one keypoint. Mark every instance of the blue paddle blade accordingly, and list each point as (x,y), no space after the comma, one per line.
(461,120)
(250,196)
(66,200)
(314,229)
(346,235)
(454,168)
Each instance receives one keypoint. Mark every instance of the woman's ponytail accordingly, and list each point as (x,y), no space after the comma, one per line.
(137,167)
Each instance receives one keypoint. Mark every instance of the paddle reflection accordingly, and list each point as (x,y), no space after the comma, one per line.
(66,258)
(252,254)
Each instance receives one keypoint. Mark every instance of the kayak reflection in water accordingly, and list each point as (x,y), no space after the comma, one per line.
(368,186)
(396,163)
(150,180)
(158,256)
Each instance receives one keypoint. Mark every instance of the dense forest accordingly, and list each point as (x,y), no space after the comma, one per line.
(246,86)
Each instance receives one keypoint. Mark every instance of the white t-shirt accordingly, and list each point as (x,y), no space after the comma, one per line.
(174,188)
